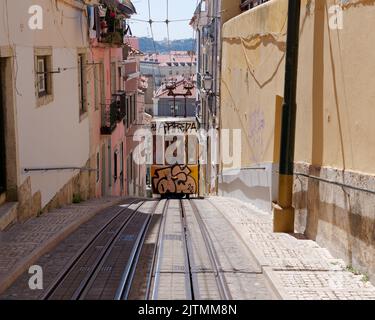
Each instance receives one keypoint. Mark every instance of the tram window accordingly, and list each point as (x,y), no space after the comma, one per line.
(191,149)
(154,149)
(175,152)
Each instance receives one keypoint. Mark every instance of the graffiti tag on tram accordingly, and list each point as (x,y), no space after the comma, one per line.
(183,127)
(178,179)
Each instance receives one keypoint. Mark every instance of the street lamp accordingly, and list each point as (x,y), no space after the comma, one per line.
(207,82)
(171,85)
(188,86)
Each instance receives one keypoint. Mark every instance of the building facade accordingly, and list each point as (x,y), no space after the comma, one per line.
(334,174)
(64,102)
(161,67)
(183,105)
(45,149)
(111,100)
(207,22)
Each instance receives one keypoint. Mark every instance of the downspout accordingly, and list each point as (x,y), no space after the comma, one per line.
(284,214)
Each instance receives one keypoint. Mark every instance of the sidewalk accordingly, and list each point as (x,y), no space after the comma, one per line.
(296,268)
(23,244)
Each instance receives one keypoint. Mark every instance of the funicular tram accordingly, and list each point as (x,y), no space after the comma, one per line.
(175,168)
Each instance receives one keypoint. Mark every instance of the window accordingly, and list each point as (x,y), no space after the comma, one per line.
(82,84)
(109,166)
(115,165)
(113,77)
(102,83)
(131,110)
(43,76)
(122,167)
(120,82)
(96,86)
(97,167)
(129,169)
(134,110)
(127,112)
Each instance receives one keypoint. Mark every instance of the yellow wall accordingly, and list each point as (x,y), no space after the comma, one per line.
(335,83)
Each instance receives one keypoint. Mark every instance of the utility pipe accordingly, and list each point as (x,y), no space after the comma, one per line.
(283,211)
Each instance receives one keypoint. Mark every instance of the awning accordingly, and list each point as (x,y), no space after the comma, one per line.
(124,6)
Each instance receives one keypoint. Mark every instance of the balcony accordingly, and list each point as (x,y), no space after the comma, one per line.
(113,113)
(120,98)
(110,114)
(110,21)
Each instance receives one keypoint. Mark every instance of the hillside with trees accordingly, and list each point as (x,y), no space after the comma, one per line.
(147,45)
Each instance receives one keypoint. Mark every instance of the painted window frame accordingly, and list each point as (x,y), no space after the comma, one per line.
(82,83)
(46,96)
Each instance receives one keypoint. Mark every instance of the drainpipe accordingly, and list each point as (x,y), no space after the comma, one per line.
(283,211)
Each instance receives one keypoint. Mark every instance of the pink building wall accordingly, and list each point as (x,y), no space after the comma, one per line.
(101,53)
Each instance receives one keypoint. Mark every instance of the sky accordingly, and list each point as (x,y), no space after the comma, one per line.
(178,9)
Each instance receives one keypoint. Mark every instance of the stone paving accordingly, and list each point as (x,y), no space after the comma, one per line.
(23,244)
(297,268)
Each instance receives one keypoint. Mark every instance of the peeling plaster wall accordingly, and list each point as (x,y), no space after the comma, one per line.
(335,131)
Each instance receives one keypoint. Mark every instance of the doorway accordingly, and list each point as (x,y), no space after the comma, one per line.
(2,133)
(104,172)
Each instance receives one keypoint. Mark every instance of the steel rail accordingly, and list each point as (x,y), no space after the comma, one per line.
(65,272)
(90,278)
(159,239)
(187,248)
(219,276)
(155,273)
(124,288)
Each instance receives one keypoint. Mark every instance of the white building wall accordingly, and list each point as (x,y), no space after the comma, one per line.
(51,135)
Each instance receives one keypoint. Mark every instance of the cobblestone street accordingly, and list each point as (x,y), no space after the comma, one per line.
(254,262)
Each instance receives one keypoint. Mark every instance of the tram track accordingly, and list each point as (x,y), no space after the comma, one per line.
(194,279)
(221,283)
(99,260)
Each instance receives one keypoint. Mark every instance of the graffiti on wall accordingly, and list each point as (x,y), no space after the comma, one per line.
(168,127)
(257,125)
(178,179)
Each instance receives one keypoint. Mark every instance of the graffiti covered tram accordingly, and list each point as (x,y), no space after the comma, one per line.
(175,168)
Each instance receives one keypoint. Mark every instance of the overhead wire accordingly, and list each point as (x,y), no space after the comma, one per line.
(169,40)
(195,35)
(154,45)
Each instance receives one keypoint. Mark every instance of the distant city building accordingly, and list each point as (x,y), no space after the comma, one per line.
(179,106)
(164,66)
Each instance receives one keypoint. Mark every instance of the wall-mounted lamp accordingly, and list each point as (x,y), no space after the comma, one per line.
(207,82)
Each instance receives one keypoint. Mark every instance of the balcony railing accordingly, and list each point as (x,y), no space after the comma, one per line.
(113,113)
(109,118)
(120,98)
(249,4)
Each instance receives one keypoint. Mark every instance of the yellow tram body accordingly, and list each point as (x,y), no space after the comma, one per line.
(176,178)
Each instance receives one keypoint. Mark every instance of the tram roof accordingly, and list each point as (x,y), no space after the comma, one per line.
(174,119)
